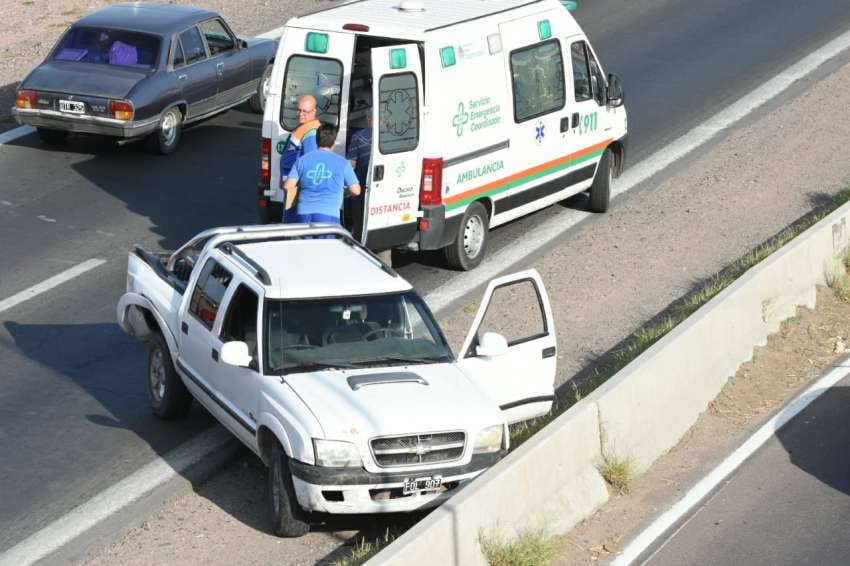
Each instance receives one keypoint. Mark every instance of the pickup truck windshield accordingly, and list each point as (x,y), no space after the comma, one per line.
(351,332)
(109,47)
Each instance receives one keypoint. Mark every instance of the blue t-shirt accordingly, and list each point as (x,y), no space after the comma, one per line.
(360,149)
(321,176)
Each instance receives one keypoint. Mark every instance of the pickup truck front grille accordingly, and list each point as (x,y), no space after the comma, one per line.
(414,449)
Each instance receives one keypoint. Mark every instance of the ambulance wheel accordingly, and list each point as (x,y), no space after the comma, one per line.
(600,190)
(288,519)
(258,101)
(166,137)
(470,244)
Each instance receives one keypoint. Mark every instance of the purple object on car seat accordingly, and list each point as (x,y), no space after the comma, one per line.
(123,54)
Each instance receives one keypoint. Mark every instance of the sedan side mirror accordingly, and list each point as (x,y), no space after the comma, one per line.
(492,344)
(615,91)
(243,44)
(236,354)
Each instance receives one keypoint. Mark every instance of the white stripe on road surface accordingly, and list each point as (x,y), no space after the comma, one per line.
(18,132)
(112,499)
(54,281)
(532,241)
(658,527)
(121,494)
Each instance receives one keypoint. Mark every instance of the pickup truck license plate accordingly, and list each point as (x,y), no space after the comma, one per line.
(415,485)
(72,106)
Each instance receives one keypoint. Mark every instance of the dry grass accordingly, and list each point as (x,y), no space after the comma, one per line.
(619,472)
(533,547)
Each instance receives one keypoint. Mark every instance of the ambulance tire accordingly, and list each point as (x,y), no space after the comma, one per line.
(600,190)
(470,244)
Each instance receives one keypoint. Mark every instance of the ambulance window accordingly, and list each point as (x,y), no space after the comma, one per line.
(581,73)
(398,113)
(537,73)
(311,75)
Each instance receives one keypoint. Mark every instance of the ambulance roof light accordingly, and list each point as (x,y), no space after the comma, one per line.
(356,27)
(411,6)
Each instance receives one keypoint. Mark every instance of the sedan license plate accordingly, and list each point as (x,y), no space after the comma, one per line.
(72,106)
(416,485)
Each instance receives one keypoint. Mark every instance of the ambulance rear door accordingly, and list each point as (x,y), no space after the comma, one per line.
(392,198)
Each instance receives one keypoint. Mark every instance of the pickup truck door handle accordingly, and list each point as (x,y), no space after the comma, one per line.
(215,354)
(184,327)
(548,352)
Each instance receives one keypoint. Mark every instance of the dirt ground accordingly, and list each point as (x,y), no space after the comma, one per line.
(798,353)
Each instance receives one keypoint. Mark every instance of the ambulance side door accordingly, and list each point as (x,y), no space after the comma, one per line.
(588,111)
(392,198)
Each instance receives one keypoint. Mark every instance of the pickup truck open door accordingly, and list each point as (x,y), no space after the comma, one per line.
(511,349)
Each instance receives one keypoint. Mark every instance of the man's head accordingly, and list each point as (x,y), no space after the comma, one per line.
(306,108)
(326,136)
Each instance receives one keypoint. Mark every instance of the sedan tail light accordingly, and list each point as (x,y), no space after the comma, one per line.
(25,99)
(121,109)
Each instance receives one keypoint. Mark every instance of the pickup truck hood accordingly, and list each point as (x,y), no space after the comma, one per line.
(89,79)
(447,401)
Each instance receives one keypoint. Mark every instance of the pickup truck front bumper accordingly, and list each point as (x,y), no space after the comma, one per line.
(85,124)
(350,491)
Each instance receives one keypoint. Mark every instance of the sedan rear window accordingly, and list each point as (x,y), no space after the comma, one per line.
(109,47)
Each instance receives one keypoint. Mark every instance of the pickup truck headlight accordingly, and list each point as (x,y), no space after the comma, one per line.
(489,440)
(336,454)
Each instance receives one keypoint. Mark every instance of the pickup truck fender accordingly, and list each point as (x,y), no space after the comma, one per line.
(286,427)
(133,321)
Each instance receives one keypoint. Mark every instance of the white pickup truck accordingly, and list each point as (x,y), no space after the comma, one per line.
(330,367)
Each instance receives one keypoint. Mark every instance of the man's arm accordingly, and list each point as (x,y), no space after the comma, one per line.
(350,180)
(291,188)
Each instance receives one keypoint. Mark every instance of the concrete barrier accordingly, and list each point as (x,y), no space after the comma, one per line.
(551,479)
(640,413)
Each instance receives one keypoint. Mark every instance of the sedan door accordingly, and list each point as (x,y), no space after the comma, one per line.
(196,73)
(232,63)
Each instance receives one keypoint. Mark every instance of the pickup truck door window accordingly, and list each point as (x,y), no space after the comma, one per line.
(520,379)
(233,65)
(392,198)
(199,346)
(238,386)
(198,78)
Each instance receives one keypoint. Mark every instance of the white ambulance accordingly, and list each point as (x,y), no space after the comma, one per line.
(482,112)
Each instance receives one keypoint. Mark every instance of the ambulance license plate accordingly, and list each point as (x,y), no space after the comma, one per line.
(416,485)
(72,106)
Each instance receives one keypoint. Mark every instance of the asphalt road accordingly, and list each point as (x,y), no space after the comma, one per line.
(787,505)
(73,414)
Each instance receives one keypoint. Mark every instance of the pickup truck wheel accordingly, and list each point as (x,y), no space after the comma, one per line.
(52,137)
(468,249)
(168,396)
(258,101)
(600,190)
(165,139)
(288,519)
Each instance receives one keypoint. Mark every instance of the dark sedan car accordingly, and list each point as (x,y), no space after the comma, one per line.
(143,69)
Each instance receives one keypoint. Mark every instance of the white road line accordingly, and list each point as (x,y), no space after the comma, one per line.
(658,527)
(18,132)
(532,241)
(54,281)
(113,499)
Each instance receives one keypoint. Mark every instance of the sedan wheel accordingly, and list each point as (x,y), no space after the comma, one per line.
(164,141)
(258,101)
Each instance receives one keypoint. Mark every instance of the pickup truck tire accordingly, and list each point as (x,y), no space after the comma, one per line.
(168,396)
(258,101)
(165,139)
(470,244)
(600,190)
(52,137)
(288,518)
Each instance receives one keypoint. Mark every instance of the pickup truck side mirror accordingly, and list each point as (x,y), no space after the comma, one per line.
(236,354)
(492,344)
(615,91)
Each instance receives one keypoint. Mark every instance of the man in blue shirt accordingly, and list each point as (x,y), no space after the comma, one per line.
(318,179)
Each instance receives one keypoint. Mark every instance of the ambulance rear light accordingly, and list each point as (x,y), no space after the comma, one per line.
(431,187)
(356,27)
(266,161)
